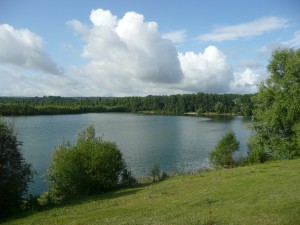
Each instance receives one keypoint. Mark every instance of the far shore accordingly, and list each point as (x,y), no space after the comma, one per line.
(210,114)
(194,113)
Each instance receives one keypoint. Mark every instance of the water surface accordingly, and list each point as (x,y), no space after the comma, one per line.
(175,142)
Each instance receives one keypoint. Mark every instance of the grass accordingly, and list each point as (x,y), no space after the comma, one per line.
(259,194)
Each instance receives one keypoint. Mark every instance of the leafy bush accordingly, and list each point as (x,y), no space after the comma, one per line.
(15,173)
(276,114)
(127,180)
(157,175)
(32,203)
(223,155)
(91,166)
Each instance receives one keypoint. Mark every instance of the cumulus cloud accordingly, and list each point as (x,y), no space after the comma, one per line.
(126,52)
(207,72)
(245,81)
(178,36)
(22,48)
(128,56)
(123,57)
(102,17)
(245,30)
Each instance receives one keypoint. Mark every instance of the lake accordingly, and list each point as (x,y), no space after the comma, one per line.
(176,143)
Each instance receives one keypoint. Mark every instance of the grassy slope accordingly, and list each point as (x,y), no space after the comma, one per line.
(260,194)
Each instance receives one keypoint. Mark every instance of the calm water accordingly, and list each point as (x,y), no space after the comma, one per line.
(175,142)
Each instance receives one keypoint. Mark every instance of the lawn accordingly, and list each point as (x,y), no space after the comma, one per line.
(259,194)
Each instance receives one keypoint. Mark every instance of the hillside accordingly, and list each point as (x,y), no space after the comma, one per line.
(260,194)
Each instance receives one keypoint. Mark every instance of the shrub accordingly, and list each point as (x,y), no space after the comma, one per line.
(15,173)
(164,176)
(91,166)
(223,154)
(32,204)
(155,173)
(127,180)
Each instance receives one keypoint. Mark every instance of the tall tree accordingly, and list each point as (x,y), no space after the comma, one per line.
(277,109)
(15,173)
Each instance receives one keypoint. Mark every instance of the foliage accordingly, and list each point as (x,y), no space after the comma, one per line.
(15,173)
(173,104)
(155,173)
(277,113)
(265,194)
(219,107)
(32,203)
(127,180)
(91,166)
(223,154)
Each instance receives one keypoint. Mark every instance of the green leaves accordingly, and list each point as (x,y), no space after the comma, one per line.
(223,154)
(277,108)
(91,166)
(15,173)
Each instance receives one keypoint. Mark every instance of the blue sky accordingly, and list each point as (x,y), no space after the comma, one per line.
(134,47)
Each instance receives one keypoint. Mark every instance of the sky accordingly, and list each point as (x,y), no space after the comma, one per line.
(139,48)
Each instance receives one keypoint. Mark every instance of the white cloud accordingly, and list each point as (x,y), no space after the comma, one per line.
(22,48)
(266,50)
(133,58)
(294,42)
(245,30)
(178,36)
(207,72)
(16,82)
(126,57)
(102,17)
(245,81)
(78,27)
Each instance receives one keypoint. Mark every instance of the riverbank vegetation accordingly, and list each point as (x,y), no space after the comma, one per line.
(258,194)
(91,166)
(276,115)
(223,154)
(173,104)
(15,173)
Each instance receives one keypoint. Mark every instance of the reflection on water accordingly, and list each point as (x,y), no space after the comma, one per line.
(175,142)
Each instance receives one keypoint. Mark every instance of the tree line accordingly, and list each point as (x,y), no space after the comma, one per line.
(173,104)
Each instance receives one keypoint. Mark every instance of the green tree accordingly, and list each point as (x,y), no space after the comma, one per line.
(223,154)
(277,112)
(219,107)
(15,173)
(91,166)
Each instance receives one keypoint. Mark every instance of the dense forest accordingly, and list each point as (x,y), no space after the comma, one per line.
(173,104)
